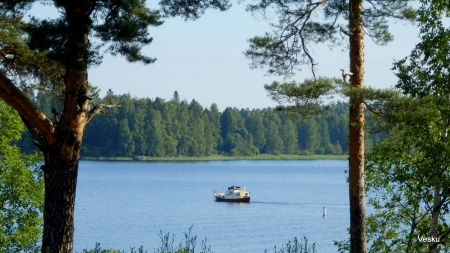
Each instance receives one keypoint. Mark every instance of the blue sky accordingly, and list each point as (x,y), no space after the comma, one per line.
(203,60)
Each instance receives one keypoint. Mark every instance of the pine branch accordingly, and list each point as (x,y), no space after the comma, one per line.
(35,118)
(294,30)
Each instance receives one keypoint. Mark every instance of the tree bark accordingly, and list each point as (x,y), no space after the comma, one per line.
(15,98)
(60,186)
(61,144)
(61,168)
(61,158)
(356,132)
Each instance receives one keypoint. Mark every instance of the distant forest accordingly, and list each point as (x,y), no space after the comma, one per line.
(159,128)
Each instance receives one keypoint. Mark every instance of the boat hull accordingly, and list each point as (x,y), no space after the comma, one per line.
(246,199)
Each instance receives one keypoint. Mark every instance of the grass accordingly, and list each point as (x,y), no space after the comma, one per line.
(226,158)
(190,243)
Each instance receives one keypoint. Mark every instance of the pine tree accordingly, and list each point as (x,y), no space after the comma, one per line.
(176,97)
(289,47)
(121,26)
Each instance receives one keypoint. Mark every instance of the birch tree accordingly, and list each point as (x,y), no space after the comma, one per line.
(415,160)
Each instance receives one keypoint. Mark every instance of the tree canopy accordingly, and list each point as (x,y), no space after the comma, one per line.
(409,170)
(160,128)
(302,24)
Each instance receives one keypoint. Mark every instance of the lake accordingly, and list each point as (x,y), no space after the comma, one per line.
(127,204)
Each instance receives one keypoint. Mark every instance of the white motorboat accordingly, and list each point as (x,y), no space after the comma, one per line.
(233,194)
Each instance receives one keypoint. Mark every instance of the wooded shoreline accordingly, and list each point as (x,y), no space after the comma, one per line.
(222,158)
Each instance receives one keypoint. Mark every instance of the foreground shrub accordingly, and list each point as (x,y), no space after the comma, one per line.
(296,247)
(188,247)
(98,249)
(190,242)
(167,245)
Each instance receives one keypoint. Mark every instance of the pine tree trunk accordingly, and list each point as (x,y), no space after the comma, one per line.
(62,156)
(61,167)
(60,187)
(356,132)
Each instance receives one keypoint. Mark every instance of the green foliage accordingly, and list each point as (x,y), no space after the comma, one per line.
(121,26)
(305,23)
(158,128)
(296,246)
(125,28)
(408,173)
(401,173)
(30,70)
(21,189)
(300,100)
(98,249)
(309,137)
(191,9)
(190,242)
(398,174)
(429,62)
(77,39)
(15,7)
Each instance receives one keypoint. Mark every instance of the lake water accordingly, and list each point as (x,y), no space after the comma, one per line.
(127,204)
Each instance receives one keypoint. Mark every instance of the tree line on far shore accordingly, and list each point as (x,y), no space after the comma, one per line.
(159,128)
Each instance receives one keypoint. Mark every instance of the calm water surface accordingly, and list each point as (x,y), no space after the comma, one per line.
(127,204)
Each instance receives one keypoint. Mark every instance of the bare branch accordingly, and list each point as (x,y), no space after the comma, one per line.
(346,32)
(305,49)
(293,29)
(97,109)
(36,135)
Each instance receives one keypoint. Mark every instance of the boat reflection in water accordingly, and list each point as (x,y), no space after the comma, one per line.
(233,194)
